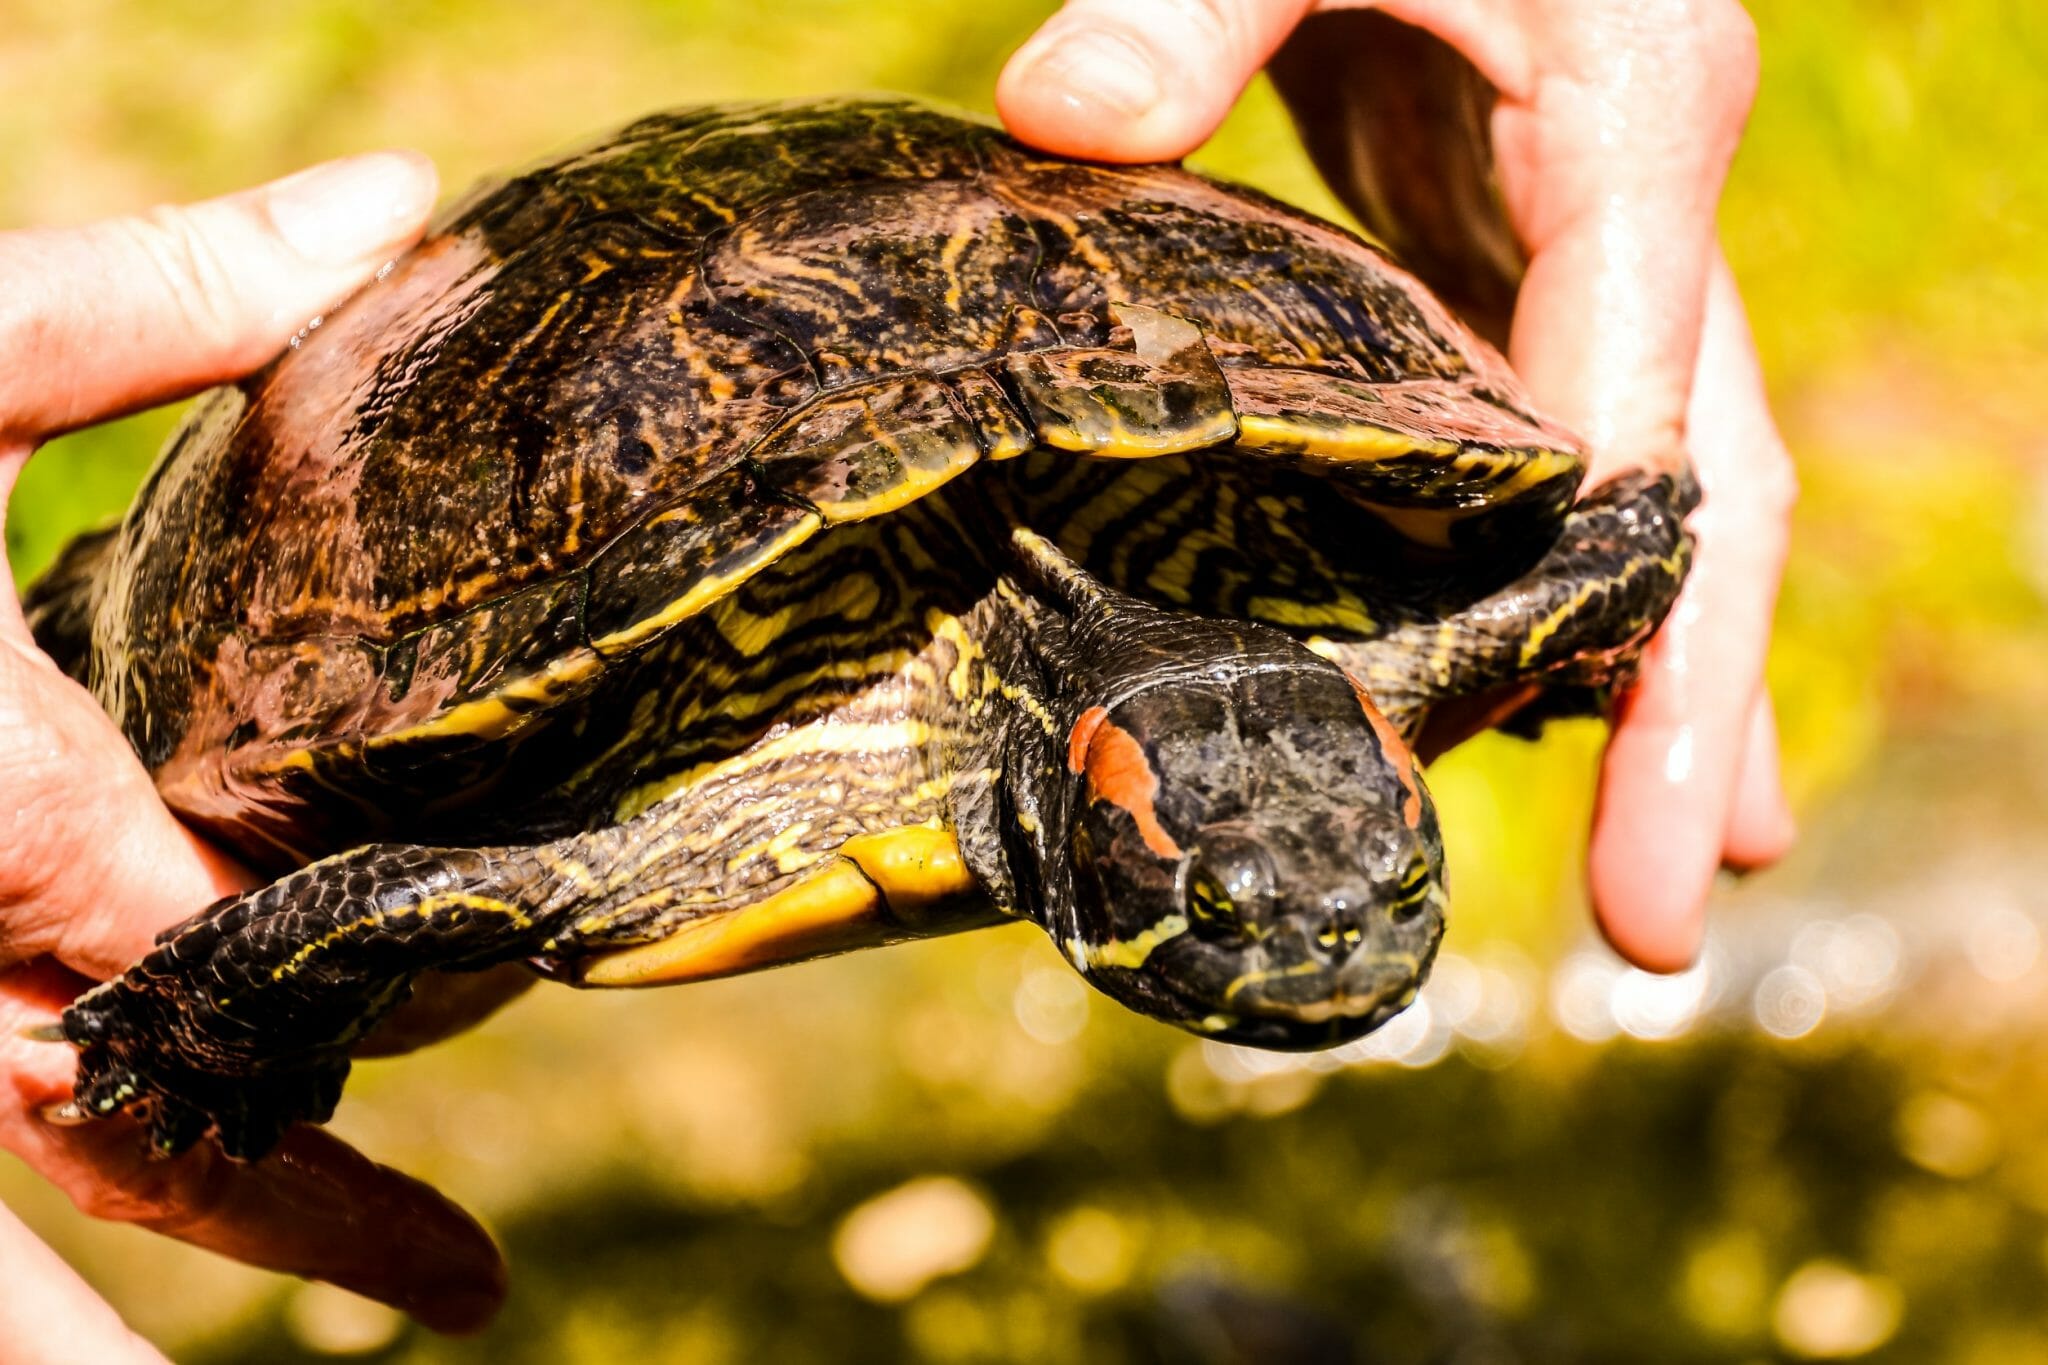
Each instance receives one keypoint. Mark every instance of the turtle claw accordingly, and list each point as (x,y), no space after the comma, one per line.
(46,1033)
(247,1114)
(108,1090)
(139,1057)
(90,1018)
(175,1126)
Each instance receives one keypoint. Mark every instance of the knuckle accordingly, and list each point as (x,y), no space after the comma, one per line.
(28,328)
(172,1198)
(1715,43)
(192,1199)
(40,850)
(1212,25)
(1725,42)
(1218,19)
(1697,58)
(1752,507)
(1759,478)
(180,258)
(67,774)
(140,1195)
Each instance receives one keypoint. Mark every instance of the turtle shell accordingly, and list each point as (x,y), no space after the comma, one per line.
(604,391)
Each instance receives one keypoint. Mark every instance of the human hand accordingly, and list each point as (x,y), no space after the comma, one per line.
(96,321)
(1611,134)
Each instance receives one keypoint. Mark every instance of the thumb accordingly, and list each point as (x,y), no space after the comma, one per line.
(120,314)
(1138,80)
(97,320)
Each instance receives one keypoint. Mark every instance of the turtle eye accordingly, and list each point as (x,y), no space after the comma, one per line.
(1230,886)
(1411,893)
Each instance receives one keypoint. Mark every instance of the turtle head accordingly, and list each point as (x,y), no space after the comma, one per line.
(1255,856)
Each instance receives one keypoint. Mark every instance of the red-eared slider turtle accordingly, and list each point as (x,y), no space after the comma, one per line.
(784,528)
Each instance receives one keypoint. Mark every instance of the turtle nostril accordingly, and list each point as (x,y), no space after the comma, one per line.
(1343,930)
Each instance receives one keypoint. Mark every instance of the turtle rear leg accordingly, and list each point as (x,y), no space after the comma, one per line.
(1555,640)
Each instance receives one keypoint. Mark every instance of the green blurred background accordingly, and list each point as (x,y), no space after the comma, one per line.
(1831,1140)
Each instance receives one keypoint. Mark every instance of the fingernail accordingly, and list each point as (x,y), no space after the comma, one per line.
(452,1277)
(1100,70)
(344,211)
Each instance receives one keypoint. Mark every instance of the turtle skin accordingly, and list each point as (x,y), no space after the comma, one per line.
(779,529)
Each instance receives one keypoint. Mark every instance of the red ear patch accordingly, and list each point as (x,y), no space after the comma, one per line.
(1397,753)
(1084,735)
(1119,773)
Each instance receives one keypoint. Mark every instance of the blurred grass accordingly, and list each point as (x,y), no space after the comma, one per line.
(669,1170)
(1885,208)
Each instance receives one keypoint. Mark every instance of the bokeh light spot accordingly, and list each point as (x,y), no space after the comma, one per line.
(335,1322)
(1651,1006)
(1790,1002)
(1724,1284)
(1946,1135)
(2004,943)
(1856,960)
(897,1243)
(1826,1311)
(1051,1005)
(1581,996)
(1091,1250)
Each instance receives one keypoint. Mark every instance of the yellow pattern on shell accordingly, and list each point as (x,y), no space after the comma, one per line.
(706,591)
(1350,443)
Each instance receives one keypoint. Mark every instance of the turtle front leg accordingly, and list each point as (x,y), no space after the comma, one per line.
(242,1020)
(1555,639)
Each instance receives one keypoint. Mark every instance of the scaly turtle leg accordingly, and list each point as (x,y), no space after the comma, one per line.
(242,1021)
(1555,639)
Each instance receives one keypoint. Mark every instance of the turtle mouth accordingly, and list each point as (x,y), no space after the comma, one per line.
(1294,1006)
(1372,1008)
(1340,1004)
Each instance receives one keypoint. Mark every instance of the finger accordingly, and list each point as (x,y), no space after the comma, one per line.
(95,865)
(1138,80)
(1611,153)
(120,314)
(1669,778)
(314,1207)
(1761,828)
(48,1316)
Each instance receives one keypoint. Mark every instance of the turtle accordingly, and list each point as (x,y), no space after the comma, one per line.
(783,528)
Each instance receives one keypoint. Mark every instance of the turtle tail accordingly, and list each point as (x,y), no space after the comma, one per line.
(60,605)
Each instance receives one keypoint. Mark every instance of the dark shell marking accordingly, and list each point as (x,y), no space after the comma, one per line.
(614,549)
(607,389)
